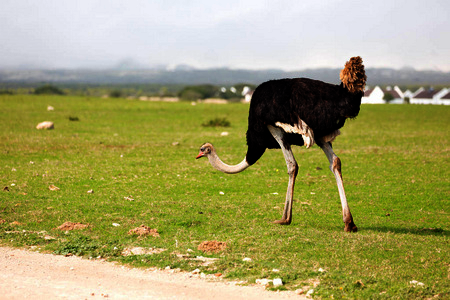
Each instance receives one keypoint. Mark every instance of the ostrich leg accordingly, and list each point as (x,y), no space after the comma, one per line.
(335,167)
(292,167)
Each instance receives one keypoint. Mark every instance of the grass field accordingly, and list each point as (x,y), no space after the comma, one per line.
(138,158)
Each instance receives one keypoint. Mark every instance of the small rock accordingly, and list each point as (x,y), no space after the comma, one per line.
(264,281)
(247,259)
(277,282)
(299,291)
(45,125)
(416,283)
(53,188)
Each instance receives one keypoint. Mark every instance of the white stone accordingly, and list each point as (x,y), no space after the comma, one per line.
(416,283)
(264,281)
(45,125)
(277,282)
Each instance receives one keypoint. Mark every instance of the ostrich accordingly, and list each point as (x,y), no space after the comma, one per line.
(299,111)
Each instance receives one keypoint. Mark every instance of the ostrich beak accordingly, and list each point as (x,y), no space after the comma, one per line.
(201,154)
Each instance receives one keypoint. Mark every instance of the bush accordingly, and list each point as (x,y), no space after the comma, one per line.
(115,94)
(195,92)
(6,92)
(48,90)
(217,122)
(388,97)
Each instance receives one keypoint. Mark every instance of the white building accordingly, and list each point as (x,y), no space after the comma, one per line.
(376,95)
(430,96)
(373,96)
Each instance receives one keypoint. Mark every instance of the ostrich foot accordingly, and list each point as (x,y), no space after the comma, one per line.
(282,222)
(350,227)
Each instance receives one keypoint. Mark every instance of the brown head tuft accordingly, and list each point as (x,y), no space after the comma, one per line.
(353,75)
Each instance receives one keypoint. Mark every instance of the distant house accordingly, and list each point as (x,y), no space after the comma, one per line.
(396,93)
(373,96)
(377,95)
(445,99)
(430,96)
(247,93)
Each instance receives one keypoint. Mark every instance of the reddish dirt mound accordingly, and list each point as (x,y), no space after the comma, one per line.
(144,231)
(212,246)
(71,226)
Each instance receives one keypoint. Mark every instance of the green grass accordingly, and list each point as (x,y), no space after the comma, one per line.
(395,163)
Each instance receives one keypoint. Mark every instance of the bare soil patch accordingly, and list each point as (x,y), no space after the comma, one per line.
(212,246)
(144,231)
(72,226)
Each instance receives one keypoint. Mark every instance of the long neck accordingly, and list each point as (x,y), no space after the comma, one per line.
(215,161)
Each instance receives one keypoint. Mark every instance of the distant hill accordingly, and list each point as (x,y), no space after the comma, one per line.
(219,76)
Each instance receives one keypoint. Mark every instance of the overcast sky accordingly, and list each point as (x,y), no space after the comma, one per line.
(254,34)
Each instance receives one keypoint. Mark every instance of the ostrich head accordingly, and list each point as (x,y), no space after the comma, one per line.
(353,75)
(205,150)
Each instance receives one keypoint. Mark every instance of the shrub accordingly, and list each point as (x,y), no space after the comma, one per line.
(115,94)
(48,90)
(217,122)
(388,97)
(6,92)
(195,92)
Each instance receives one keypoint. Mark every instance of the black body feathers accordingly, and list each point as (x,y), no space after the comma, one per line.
(323,106)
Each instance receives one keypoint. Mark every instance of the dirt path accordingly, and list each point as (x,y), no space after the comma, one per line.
(30,275)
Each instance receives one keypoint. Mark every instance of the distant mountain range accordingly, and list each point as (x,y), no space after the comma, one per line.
(217,76)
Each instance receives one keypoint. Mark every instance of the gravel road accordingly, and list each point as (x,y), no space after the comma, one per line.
(31,275)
